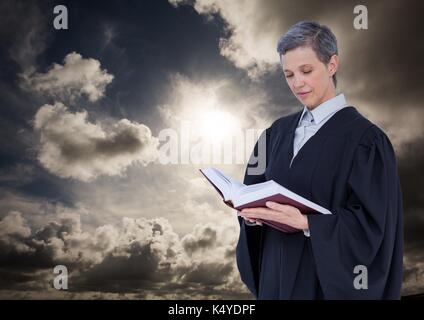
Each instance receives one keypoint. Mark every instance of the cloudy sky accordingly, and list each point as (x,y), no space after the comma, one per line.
(84,113)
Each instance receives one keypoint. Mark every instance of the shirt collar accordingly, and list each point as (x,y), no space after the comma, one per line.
(326,108)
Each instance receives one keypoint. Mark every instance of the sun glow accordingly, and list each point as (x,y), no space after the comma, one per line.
(217,125)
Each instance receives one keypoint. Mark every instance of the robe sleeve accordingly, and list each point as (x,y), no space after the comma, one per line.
(366,231)
(249,243)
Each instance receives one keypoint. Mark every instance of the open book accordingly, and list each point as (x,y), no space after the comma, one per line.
(239,196)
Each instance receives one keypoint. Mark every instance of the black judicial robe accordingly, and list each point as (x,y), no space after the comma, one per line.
(349,167)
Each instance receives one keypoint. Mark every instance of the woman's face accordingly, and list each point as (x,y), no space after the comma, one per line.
(309,79)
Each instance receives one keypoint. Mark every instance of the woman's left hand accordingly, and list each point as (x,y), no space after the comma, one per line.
(277,212)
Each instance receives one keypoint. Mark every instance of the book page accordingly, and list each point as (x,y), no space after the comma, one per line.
(220,181)
(253,188)
(234,185)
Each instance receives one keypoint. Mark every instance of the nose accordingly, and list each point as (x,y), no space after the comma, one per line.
(298,82)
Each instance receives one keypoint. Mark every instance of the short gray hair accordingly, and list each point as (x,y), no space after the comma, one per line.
(310,34)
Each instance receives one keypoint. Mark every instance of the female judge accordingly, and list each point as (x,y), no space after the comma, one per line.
(332,155)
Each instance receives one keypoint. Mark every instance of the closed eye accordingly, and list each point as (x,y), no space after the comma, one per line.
(304,72)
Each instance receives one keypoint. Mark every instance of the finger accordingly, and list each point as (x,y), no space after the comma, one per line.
(254,221)
(249,215)
(277,206)
(249,219)
(259,210)
(255,217)
(266,214)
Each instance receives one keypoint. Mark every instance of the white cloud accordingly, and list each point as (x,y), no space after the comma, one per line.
(73,147)
(13,228)
(13,224)
(76,77)
(253,30)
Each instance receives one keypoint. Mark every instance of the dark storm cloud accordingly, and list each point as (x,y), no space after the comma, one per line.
(411,171)
(23,37)
(205,239)
(55,243)
(159,266)
(23,31)
(143,256)
(209,273)
(138,269)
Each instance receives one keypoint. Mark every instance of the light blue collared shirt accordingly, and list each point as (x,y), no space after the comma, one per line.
(311,121)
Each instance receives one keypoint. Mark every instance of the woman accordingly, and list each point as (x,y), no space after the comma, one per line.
(328,153)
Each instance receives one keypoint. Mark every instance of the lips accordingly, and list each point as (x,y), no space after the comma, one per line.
(303,94)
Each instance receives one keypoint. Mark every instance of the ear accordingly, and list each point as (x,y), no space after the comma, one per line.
(333,65)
